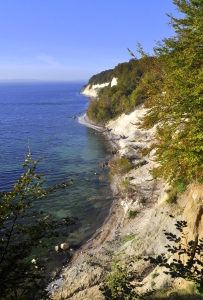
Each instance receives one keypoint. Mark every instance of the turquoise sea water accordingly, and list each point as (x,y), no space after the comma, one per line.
(42,113)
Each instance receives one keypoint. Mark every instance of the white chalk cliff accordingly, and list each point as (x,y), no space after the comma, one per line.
(92,91)
(114,81)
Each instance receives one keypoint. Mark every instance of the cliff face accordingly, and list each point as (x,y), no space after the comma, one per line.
(93,90)
(142,196)
(126,238)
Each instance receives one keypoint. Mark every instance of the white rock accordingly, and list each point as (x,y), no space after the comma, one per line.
(57,248)
(93,91)
(33,261)
(195,197)
(99,86)
(64,246)
(114,81)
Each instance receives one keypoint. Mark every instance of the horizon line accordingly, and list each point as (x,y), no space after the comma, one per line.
(42,80)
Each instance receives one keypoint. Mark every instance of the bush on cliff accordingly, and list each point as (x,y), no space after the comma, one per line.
(120,166)
(22,230)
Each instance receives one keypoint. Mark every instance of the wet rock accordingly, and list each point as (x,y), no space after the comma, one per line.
(113,151)
(64,246)
(105,164)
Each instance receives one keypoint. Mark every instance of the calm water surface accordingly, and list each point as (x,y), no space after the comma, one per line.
(42,113)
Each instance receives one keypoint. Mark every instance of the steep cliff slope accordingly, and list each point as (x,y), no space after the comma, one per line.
(134,227)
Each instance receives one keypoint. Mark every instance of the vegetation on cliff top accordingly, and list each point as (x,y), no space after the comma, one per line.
(102,77)
(126,95)
(179,112)
(170,84)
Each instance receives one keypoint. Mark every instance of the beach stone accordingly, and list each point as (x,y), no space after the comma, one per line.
(64,246)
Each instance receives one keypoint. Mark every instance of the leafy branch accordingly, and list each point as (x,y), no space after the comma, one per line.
(22,230)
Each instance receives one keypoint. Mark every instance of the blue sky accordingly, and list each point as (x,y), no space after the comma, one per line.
(75,39)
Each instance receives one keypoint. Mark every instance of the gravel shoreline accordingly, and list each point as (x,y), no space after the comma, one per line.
(87,269)
(84,120)
(106,232)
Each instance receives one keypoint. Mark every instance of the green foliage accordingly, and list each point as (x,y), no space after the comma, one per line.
(23,230)
(132,214)
(179,109)
(170,85)
(93,110)
(125,183)
(121,166)
(176,294)
(102,77)
(191,267)
(117,285)
(172,196)
(155,274)
(128,238)
(181,186)
(130,91)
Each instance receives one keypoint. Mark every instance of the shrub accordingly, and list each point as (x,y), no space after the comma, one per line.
(121,166)
(172,194)
(24,230)
(132,214)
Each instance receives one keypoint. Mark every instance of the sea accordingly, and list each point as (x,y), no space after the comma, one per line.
(43,116)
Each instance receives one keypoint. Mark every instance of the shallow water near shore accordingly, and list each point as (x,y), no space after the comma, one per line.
(43,114)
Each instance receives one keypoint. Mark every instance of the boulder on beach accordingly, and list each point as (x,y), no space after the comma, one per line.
(57,248)
(64,246)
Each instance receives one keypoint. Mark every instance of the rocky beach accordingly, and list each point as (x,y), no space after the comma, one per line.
(122,236)
(139,217)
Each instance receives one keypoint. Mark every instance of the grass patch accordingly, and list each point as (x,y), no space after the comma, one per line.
(128,238)
(125,184)
(133,213)
(189,293)
(181,186)
(155,274)
(178,188)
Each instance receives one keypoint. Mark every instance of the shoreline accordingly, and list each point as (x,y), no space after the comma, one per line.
(107,231)
(121,236)
(84,120)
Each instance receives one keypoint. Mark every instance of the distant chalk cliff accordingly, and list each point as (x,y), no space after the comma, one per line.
(92,91)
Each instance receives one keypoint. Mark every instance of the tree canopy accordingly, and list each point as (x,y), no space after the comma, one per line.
(170,84)
(102,77)
(129,92)
(176,101)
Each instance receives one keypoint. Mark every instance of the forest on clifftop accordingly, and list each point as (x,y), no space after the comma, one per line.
(170,85)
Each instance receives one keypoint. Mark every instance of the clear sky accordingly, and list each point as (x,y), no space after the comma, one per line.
(75,39)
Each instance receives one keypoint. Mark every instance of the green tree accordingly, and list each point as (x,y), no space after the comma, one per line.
(22,230)
(118,285)
(176,99)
